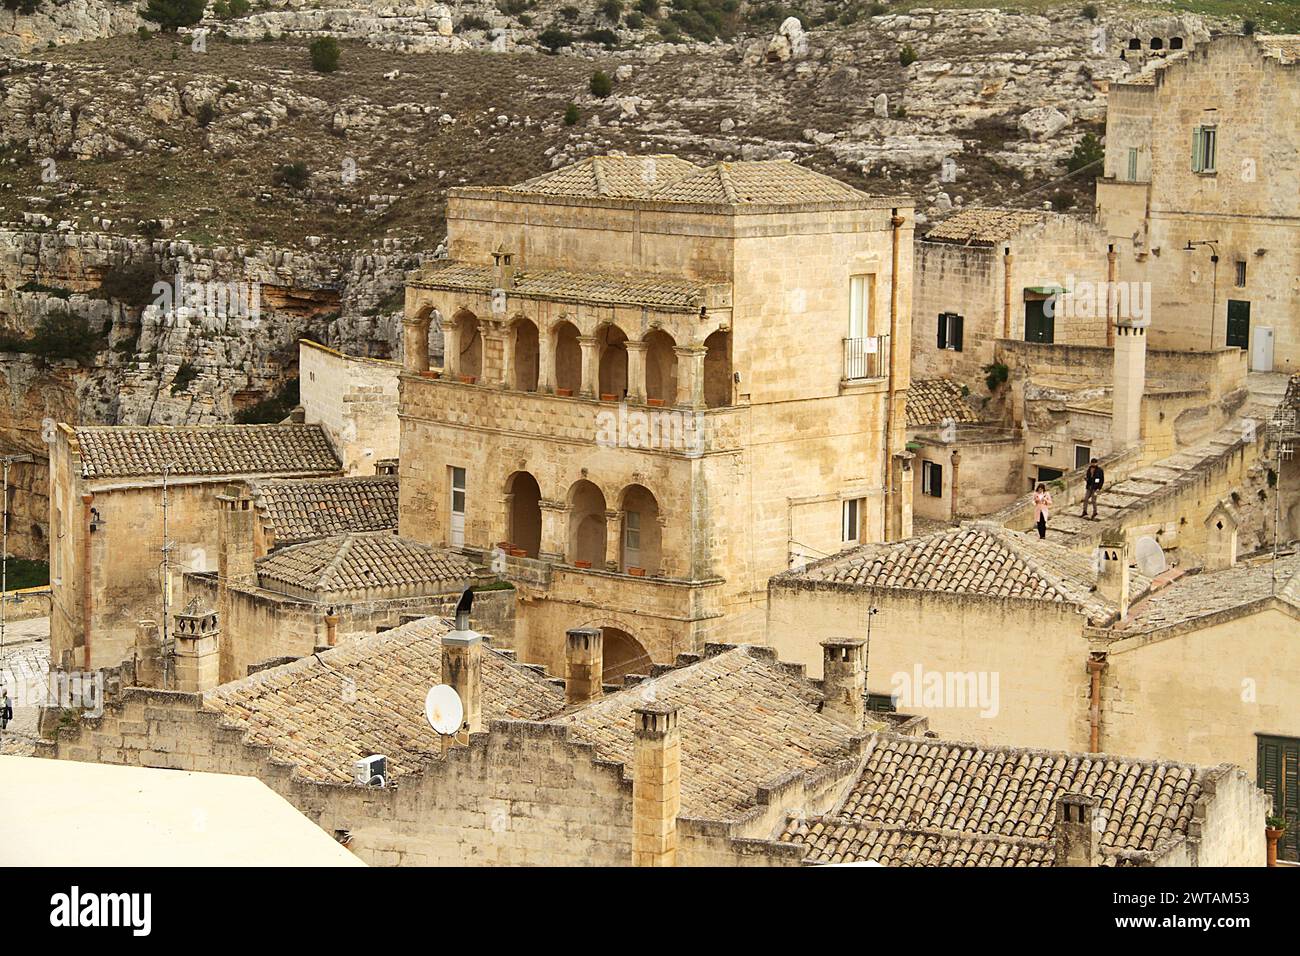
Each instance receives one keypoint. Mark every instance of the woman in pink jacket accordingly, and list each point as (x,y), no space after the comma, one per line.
(1042,508)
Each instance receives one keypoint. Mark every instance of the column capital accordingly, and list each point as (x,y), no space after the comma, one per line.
(636,345)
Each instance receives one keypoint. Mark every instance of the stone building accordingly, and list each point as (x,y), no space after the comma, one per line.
(291,511)
(662,384)
(107,487)
(987,274)
(997,637)
(355,399)
(726,758)
(1198,195)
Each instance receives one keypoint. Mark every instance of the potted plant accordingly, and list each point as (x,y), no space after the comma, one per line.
(1274,827)
(517,552)
(636,572)
(608,396)
(469,379)
(582,564)
(564,392)
(655,402)
(429,373)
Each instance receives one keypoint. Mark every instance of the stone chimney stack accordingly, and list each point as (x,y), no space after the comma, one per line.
(1074,833)
(656,786)
(844,680)
(1221,537)
(236,536)
(198,648)
(462,668)
(1130,376)
(584,663)
(1113,575)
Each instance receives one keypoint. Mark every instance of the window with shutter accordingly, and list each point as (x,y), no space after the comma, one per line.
(1278,770)
(1196,150)
(1132,165)
(932,479)
(943,330)
(958,327)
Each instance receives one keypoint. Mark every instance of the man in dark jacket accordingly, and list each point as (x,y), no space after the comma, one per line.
(1093,479)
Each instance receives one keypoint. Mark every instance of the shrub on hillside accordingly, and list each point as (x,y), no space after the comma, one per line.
(173,14)
(130,283)
(601,84)
(1088,152)
(324,54)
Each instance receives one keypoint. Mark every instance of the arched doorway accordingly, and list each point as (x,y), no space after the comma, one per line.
(525,515)
(641,545)
(470,348)
(717,369)
(661,367)
(587,524)
(524,341)
(612,343)
(568,357)
(623,655)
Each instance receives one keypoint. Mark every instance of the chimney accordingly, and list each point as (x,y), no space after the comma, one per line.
(1113,575)
(462,668)
(235,537)
(198,645)
(844,680)
(1130,376)
(584,663)
(1074,834)
(503,267)
(331,629)
(1221,537)
(386,466)
(656,785)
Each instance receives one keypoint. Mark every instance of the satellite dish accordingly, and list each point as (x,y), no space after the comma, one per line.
(1150,556)
(443,710)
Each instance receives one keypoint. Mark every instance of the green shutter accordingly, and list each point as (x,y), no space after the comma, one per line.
(1197,159)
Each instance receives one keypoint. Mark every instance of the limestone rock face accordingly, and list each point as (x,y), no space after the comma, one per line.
(1043,122)
(789,42)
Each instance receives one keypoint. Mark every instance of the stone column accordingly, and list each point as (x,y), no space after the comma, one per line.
(613,541)
(590,365)
(555,530)
(656,786)
(690,375)
(415,345)
(584,662)
(636,353)
(545,361)
(451,329)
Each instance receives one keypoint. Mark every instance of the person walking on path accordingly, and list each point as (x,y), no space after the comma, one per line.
(1042,508)
(6,709)
(1093,479)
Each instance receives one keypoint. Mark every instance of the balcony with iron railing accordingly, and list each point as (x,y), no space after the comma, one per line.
(866,359)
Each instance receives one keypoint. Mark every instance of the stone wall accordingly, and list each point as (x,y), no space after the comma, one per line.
(355,399)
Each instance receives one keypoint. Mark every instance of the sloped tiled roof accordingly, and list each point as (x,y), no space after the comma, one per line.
(327,710)
(1195,596)
(743,718)
(1280,46)
(761,182)
(319,507)
(125,451)
(933,401)
(983,226)
(665,293)
(925,802)
(618,177)
(976,558)
(356,562)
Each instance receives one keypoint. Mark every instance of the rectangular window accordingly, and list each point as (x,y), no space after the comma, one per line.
(881,704)
(950,331)
(1204,149)
(457,525)
(632,530)
(851,517)
(932,479)
(1082,455)
(1132,164)
(1241,275)
(859,306)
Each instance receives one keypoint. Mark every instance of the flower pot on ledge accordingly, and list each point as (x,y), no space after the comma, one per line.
(429,373)
(608,397)
(582,564)
(517,552)
(655,402)
(564,392)
(1273,835)
(468,379)
(636,572)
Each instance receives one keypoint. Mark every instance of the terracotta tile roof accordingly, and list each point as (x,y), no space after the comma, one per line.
(664,293)
(349,563)
(618,177)
(984,226)
(976,558)
(126,451)
(925,802)
(1195,596)
(847,841)
(744,719)
(932,401)
(762,182)
(325,711)
(318,507)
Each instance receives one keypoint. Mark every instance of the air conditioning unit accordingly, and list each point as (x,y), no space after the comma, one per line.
(370,771)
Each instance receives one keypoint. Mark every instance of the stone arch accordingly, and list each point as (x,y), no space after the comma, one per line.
(611,344)
(641,545)
(568,356)
(660,367)
(469,340)
(623,655)
(527,354)
(587,523)
(717,369)
(524,515)
(416,347)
